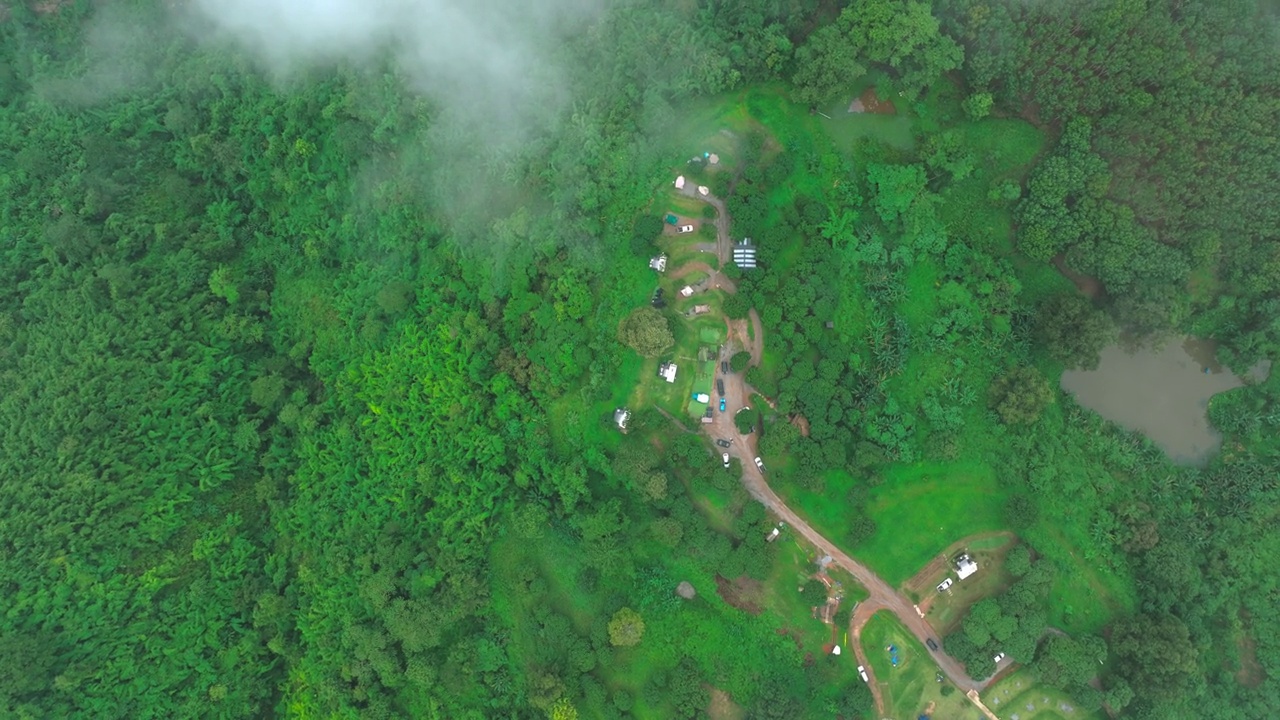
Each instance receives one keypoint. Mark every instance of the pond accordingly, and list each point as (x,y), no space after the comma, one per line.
(1161,391)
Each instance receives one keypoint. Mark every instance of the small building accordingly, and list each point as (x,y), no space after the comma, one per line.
(667,371)
(713,158)
(659,263)
(704,190)
(706,417)
(622,416)
(680,183)
(686,291)
(700,309)
(965,566)
(835,650)
(772,535)
(702,398)
(744,254)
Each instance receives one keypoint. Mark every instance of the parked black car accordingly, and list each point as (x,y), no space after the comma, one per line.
(720,387)
(932,645)
(722,443)
(724,366)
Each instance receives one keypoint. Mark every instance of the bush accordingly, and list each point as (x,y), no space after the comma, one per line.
(739,361)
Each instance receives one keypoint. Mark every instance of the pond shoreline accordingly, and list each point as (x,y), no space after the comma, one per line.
(1161,390)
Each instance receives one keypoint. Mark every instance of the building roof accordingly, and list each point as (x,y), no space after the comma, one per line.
(686,291)
(680,183)
(659,263)
(667,371)
(744,256)
(965,566)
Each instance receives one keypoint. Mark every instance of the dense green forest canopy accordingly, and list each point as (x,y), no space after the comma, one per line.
(307,373)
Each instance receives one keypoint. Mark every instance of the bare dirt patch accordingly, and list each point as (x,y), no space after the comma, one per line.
(869,102)
(48,7)
(1251,674)
(743,593)
(722,707)
(1089,286)
(801,422)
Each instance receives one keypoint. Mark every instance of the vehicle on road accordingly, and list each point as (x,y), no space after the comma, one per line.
(862,673)
(998,658)
(942,586)
(725,457)
(721,404)
(724,366)
(720,388)
(722,442)
(760,464)
(685,229)
(932,645)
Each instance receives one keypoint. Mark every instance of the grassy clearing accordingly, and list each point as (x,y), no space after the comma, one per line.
(922,508)
(909,688)
(1019,694)
(949,608)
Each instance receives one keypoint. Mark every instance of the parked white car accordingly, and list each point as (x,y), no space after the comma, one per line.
(685,229)
(942,586)
(760,464)
(725,458)
(862,673)
(998,658)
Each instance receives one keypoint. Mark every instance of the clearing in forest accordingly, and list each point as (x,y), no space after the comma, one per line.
(910,686)
(1019,696)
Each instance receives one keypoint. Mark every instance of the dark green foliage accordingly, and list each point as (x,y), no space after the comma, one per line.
(282,438)
(739,361)
(1074,332)
(813,592)
(1154,652)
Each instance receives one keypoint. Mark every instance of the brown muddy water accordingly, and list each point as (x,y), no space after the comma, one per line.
(1161,391)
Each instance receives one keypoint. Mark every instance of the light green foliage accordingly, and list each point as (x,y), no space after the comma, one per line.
(626,628)
(896,188)
(646,331)
(978,105)
(1020,395)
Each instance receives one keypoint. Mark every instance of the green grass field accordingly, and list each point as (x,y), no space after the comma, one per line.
(909,688)
(1019,694)
(923,508)
(949,608)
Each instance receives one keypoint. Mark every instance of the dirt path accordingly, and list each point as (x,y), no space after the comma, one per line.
(856,622)
(743,447)
(922,582)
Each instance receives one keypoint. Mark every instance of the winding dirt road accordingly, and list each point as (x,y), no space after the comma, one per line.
(744,448)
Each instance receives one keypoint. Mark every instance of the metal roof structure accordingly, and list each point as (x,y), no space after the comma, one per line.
(744,255)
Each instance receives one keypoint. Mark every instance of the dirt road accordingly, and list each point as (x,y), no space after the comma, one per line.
(744,448)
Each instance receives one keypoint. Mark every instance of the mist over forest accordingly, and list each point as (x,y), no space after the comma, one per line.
(369,360)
